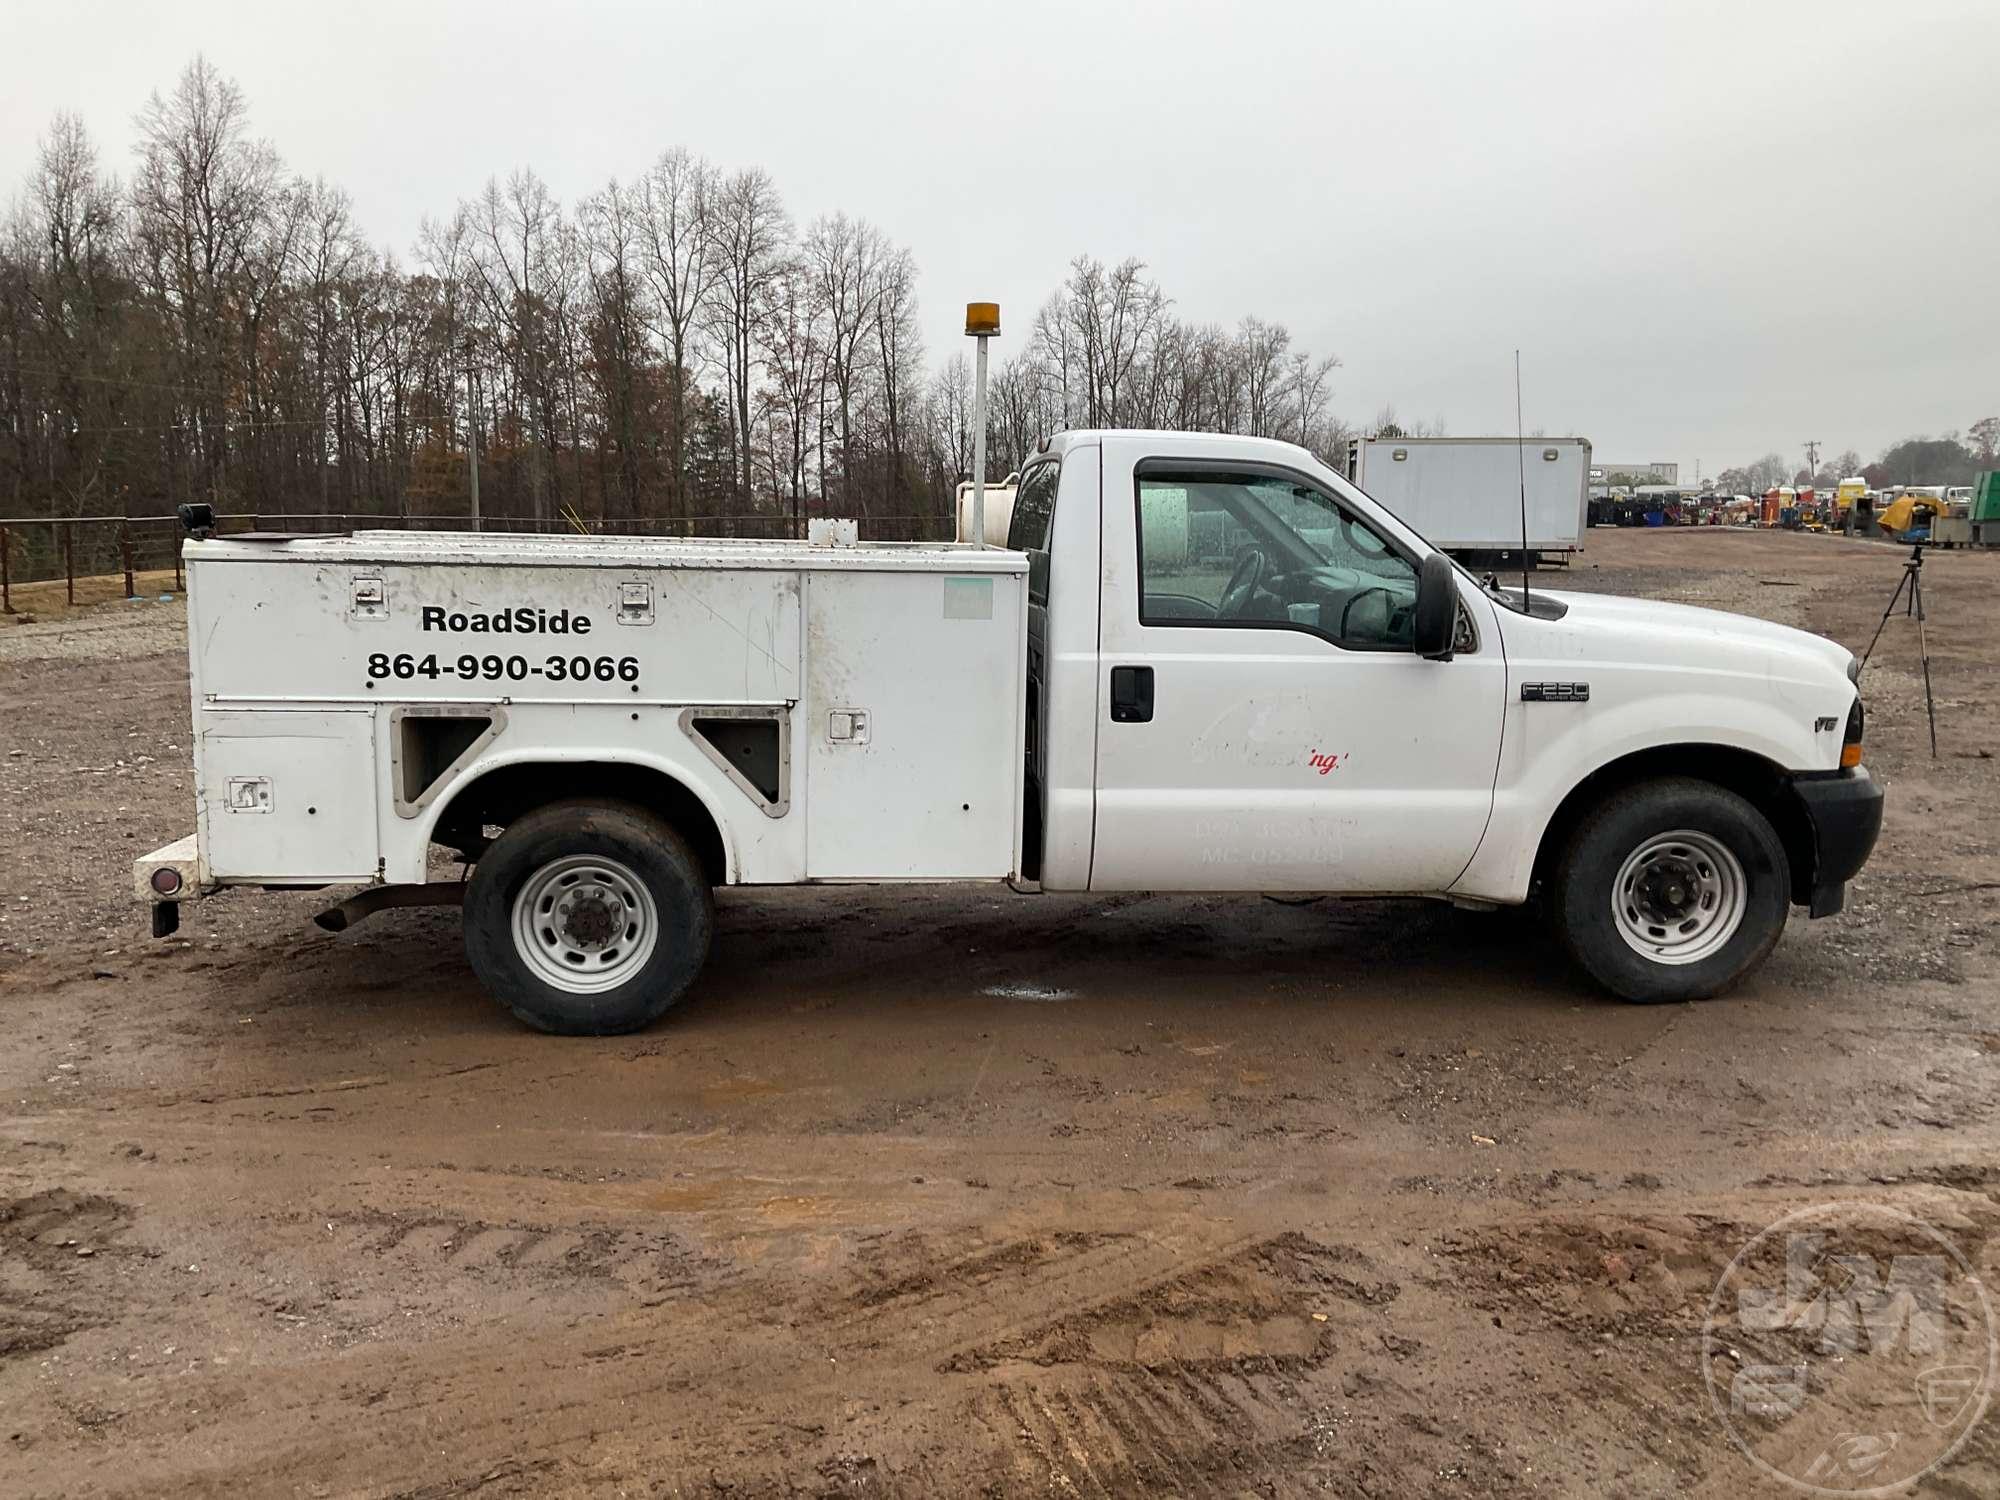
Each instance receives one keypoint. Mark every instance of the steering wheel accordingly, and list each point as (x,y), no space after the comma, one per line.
(1351,535)
(1242,583)
(1356,598)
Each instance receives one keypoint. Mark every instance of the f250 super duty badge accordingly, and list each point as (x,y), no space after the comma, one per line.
(526,620)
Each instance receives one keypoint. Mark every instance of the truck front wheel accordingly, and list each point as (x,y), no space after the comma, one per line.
(588,918)
(1671,890)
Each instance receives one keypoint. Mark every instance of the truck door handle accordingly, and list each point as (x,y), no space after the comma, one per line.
(1131,695)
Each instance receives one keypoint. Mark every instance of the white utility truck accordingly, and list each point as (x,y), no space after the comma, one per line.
(1466,494)
(1206,664)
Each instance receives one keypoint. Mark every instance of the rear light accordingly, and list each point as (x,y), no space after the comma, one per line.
(1850,743)
(167,880)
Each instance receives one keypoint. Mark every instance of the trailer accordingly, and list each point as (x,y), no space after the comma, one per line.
(1466,494)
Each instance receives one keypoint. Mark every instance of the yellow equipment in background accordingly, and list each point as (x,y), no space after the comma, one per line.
(1909,511)
(1847,494)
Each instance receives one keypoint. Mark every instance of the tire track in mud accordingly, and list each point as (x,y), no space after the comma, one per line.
(1180,1409)
(1190,1382)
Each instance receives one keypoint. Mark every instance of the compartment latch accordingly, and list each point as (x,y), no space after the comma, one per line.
(635,604)
(370,600)
(249,794)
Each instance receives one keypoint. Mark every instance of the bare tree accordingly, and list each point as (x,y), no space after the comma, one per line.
(204,192)
(1985,437)
(793,328)
(615,231)
(1310,379)
(678,196)
(69,245)
(1092,333)
(845,257)
(899,348)
(515,264)
(1262,348)
(748,232)
(949,414)
(325,253)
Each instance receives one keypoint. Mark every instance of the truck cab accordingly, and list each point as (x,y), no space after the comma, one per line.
(1245,675)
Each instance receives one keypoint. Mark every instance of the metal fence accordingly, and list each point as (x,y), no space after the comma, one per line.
(37,549)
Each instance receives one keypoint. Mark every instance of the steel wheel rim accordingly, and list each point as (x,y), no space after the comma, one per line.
(1679,897)
(585,924)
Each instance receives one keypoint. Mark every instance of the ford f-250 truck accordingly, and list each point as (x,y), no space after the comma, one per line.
(1202,664)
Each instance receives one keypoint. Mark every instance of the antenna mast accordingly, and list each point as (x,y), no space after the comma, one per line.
(1521,468)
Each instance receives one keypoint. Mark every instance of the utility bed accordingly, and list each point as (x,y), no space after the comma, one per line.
(866,699)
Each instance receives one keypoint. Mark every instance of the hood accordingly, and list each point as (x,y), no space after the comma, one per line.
(1693,629)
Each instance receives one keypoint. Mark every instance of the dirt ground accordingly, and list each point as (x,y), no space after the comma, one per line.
(952,1191)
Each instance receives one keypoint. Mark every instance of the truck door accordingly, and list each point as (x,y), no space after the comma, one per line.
(1265,723)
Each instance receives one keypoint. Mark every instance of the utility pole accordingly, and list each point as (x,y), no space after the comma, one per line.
(472,429)
(1812,460)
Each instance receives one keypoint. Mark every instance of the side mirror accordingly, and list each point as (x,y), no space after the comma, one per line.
(1436,621)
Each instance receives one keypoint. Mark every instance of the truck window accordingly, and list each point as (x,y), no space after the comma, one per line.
(1028,528)
(1260,550)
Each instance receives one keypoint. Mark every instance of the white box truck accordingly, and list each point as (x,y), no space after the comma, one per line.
(1207,664)
(1465,494)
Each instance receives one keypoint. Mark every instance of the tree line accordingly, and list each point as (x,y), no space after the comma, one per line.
(671,349)
(1947,459)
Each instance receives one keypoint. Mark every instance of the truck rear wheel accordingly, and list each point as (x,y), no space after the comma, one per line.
(1671,890)
(588,918)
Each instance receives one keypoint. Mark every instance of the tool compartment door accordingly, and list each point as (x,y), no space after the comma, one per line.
(912,724)
(287,796)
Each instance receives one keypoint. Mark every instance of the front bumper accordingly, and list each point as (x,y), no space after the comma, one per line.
(1844,810)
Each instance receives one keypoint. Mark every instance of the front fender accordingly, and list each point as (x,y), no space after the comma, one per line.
(1551,747)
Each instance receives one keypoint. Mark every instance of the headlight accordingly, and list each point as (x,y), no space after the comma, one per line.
(1854,669)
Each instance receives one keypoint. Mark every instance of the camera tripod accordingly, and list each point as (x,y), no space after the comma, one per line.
(1913,580)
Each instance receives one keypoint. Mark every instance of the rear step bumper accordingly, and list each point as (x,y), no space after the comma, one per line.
(171,873)
(168,876)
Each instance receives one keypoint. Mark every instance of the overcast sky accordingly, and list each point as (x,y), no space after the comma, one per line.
(1712,229)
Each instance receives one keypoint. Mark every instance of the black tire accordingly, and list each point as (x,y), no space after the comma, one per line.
(1582,895)
(631,841)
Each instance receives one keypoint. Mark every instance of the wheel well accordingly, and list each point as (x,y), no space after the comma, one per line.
(1761,783)
(505,793)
